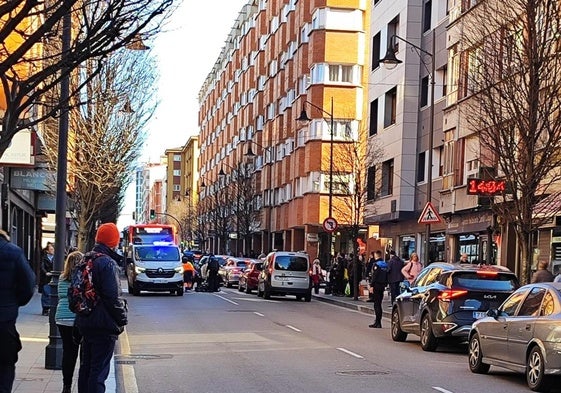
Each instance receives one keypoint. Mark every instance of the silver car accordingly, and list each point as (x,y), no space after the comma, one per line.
(523,335)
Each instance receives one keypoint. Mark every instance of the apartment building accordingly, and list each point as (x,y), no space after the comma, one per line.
(272,171)
(403,121)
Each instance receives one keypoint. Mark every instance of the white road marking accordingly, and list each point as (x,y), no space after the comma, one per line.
(228,300)
(442,389)
(356,355)
(129,377)
(258,314)
(293,328)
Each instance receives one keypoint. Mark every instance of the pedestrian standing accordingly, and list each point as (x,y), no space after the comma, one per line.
(542,274)
(395,277)
(17,283)
(378,283)
(412,268)
(212,271)
(188,273)
(46,268)
(64,319)
(101,327)
(317,275)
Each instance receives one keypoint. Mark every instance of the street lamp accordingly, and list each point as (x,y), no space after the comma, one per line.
(304,117)
(390,61)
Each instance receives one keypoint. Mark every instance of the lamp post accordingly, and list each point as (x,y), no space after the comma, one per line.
(250,154)
(53,351)
(304,117)
(390,61)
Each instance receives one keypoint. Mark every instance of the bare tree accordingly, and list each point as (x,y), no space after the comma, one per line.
(32,63)
(106,137)
(512,76)
(351,162)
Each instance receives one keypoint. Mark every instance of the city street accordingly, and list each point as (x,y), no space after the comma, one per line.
(234,342)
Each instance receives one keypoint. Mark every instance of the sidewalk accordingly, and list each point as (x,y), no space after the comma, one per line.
(31,374)
(359,305)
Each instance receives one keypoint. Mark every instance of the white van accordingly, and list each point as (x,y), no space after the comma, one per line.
(286,273)
(154,267)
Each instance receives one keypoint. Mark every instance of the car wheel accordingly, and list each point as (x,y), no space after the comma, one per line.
(475,356)
(179,292)
(308,297)
(299,297)
(535,365)
(247,288)
(428,340)
(397,333)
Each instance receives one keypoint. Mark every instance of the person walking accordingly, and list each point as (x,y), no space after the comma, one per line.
(45,269)
(64,319)
(378,283)
(542,274)
(17,284)
(188,273)
(102,326)
(395,277)
(412,269)
(212,271)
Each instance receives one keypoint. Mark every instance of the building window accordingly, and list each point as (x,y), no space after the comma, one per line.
(390,107)
(427,16)
(421,167)
(340,73)
(376,51)
(374,117)
(387,178)
(176,187)
(371,183)
(177,172)
(424,91)
(393,30)
(177,157)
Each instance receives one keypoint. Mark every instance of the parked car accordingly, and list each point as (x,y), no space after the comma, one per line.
(250,276)
(286,273)
(522,335)
(445,299)
(232,270)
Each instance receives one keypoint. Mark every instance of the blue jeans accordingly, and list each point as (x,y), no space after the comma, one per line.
(46,296)
(95,362)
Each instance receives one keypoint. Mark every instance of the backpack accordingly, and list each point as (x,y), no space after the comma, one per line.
(82,297)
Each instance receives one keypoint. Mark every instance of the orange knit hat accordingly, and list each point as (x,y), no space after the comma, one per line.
(108,234)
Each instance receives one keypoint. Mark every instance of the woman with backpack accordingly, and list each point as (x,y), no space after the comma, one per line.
(65,322)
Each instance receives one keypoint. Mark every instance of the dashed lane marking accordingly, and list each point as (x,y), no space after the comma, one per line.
(293,328)
(356,355)
(227,300)
(442,389)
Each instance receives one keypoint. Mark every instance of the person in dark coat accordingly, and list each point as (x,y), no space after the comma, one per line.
(17,284)
(378,283)
(395,277)
(108,318)
(212,270)
(47,261)
(542,274)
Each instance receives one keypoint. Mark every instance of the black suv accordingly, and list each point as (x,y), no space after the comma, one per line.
(445,299)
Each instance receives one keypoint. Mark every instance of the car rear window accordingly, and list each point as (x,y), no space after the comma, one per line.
(240,264)
(291,262)
(259,266)
(488,281)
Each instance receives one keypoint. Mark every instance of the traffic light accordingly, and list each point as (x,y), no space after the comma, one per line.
(152,214)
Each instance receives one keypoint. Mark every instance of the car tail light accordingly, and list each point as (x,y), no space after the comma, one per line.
(487,273)
(450,294)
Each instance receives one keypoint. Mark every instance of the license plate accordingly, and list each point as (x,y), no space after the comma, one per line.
(479,314)
(159,281)
(282,278)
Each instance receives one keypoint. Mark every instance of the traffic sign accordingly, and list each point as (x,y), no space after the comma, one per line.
(429,215)
(330,224)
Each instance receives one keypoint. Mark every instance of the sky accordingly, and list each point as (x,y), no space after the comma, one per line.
(186,51)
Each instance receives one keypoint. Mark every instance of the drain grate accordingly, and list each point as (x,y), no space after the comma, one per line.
(361,373)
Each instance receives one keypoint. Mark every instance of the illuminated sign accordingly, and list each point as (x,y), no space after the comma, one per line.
(485,187)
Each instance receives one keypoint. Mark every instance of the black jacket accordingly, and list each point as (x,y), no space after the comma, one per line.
(46,267)
(17,281)
(395,265)
(379,278)
(110,314)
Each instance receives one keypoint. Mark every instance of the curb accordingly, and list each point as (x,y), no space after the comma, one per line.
(357,305)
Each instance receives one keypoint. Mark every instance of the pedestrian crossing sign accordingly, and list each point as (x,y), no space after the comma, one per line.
(429,215)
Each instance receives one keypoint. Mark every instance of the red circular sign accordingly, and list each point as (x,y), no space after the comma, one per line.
(330,224)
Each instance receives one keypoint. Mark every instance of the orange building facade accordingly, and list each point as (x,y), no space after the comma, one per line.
(282,57)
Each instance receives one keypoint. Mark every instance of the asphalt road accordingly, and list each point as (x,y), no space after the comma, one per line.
(234,342)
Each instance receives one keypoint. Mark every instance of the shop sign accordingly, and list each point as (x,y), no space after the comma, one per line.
(312,237)
(40,179)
